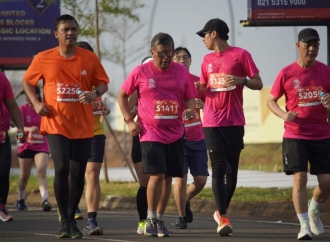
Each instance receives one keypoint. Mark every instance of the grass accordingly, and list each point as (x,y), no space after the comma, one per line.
(129,189)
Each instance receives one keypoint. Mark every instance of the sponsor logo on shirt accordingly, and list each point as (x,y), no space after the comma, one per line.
(84,72)
(28,119)
(209,68)
(296,83)
(152,83)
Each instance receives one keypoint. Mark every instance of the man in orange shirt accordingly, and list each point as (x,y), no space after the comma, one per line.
(68,74)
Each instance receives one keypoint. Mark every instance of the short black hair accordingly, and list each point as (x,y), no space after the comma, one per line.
(85,45)
(162,39)
(64,18)
(178,49)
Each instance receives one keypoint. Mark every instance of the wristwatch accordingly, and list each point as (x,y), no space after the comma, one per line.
(245,81)
(97,92)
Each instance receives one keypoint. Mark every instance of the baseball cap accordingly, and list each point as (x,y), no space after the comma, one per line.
(37,89)
(215,24)
(308,34)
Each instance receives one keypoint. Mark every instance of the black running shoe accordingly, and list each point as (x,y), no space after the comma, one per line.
(181,222)
(189,214)
(75,232)
(64,230)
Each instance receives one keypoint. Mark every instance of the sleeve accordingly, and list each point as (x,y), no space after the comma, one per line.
(249,67)
(131,83)
(190,89)
(278,87)
(34,72)
(99,74)
(204,76)
(8,91)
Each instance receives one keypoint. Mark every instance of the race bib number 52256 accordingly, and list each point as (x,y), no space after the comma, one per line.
(68,92)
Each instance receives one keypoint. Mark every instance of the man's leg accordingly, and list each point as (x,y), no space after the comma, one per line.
(41,161)
(180,194)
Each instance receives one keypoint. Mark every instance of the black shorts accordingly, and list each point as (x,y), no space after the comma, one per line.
(158,158)
(98,145)
(136,150)
(29,154)
(297,152)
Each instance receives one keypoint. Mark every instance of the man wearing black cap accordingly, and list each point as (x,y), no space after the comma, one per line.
(306,130)
(224,75)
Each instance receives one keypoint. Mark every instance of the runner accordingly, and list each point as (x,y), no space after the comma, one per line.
(306,131)
(68,73)
(164,89)
(195,155)
(223,78)
(7,102)
(35,150)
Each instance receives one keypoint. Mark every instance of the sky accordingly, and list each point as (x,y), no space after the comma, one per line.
(272,48)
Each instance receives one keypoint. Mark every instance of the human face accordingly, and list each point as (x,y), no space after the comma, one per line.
(208,40)
(308,50)
(67,33)
(162,55)
(183,58)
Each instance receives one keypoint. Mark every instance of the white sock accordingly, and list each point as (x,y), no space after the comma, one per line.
(313,206)
(44,194)
(21,194)
(160,216)
(152,214)
(303,219)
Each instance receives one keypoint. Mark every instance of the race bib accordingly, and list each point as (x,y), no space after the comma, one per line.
(166,109)
(192,122)
(35,138)
(309,96)
(98,109)
(68,92)
(3,136)
(217,83)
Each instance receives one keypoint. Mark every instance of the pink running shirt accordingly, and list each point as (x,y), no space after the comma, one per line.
(225,108)
(161,96)
(194,127)
(301,87)
(34,141)
(5,93)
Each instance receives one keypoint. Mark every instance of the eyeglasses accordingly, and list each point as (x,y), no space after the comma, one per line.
(184,57)
(167,53)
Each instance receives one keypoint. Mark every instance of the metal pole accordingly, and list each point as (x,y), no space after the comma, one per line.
(151,21)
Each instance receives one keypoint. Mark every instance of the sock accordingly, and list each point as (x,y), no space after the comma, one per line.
(303,219)
(160,216)
(313,206)
(44,194)
(142,203)
(152,214)
(21,194)
(2,206)
(92,214)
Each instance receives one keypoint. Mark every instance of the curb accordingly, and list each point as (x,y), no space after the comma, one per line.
(275,211)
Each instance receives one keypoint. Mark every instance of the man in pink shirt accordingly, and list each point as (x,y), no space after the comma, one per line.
(164,92)
(223,77)
(306,130)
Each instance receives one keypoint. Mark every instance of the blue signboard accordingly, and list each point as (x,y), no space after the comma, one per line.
(26,28)
(259,10)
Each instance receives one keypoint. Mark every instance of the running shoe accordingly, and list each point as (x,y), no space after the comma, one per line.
(305,233)
(4,216)
(75,232)
(189,214)
(78,215)
(92,228)
(161,229)
(64,230)
(151,227)
(20,204)
(181,222)
(46,206)
(315,223)
(224,226)
(141,226)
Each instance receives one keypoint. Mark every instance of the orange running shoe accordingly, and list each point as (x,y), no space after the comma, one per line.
(224,226)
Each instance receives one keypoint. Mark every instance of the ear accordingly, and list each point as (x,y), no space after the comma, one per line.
(298,44)
(55,34)
(151,53)
(213,34)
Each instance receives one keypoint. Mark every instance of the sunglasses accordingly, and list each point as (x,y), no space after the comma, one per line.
(167,53)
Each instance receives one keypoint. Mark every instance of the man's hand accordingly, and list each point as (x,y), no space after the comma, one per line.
(87,97)
(42,109)
(134,128)
(289,116)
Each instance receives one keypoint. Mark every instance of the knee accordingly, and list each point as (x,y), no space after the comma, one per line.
(300,180)
(200,181)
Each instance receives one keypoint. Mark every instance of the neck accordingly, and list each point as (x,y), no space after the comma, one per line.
(67,51)
(305,64)
(221,46)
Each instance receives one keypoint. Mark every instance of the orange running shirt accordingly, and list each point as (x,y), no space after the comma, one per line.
(61,78)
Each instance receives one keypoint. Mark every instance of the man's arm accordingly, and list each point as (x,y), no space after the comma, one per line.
(275,108)
(16,117)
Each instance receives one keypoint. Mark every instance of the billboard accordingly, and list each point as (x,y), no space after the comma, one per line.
(26,28)
(266,10)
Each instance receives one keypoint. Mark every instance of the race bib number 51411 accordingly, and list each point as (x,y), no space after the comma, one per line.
(166,109)
(68,92)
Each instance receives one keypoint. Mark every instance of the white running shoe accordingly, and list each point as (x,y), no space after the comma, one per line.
(305,233)
(315,223)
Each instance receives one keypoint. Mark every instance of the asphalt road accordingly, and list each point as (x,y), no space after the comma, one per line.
(37,226)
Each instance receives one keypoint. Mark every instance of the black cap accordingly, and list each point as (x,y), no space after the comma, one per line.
(37,89)
(308,34)
(215,24)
